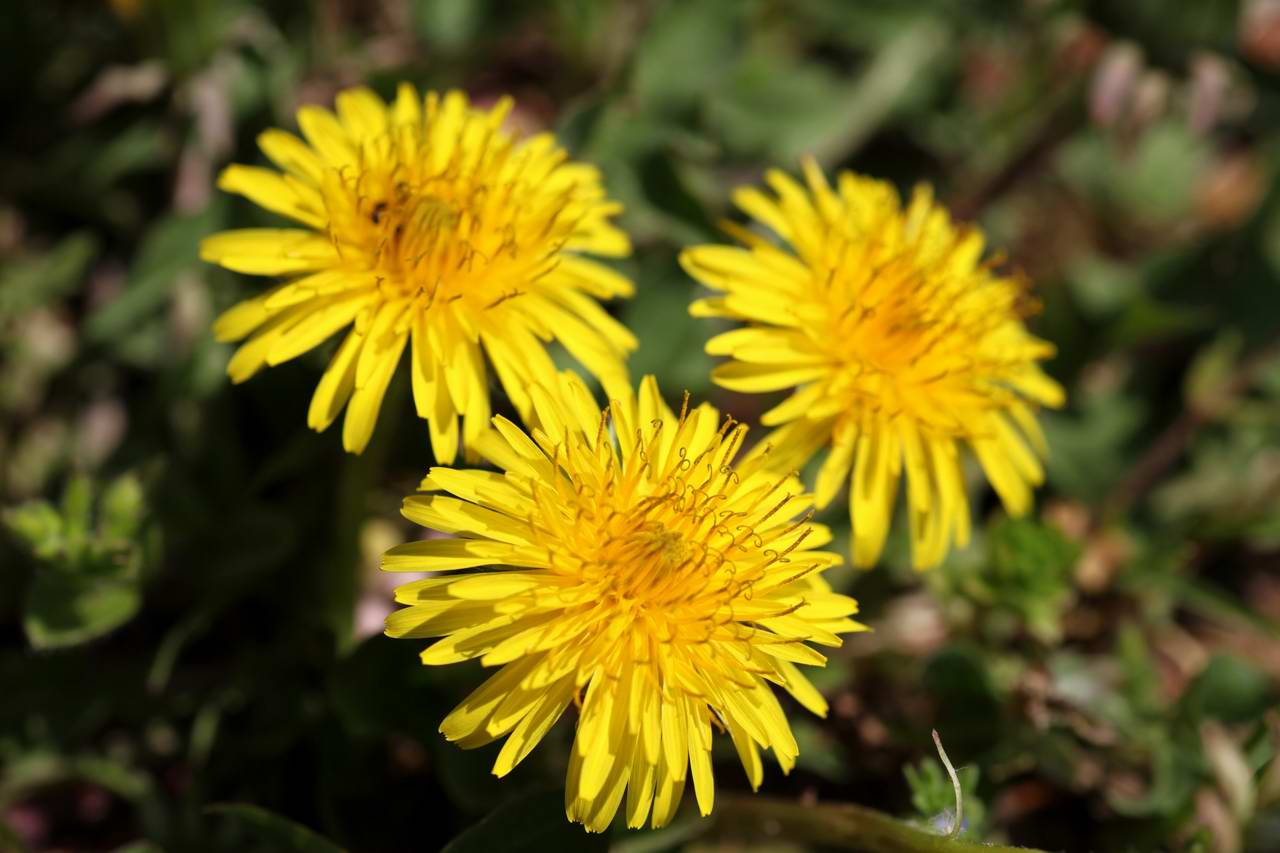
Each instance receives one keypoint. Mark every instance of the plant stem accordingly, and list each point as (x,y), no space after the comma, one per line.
(360,473)
(843,826)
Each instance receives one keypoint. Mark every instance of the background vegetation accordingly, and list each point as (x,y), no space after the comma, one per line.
(189,607)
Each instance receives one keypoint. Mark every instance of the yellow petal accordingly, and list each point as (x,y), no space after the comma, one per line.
(336,385)
(534,726)
(362,411)
(291,154)
(445,555)
(362,113)
(270,190)
(327,136)
(268,251)
(755,378)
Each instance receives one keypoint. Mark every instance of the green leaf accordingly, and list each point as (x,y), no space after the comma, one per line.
(776,107)
(1175,771)
(64,609)
(835,826)
(77,508)
(39,769)
(533,822)
(88,582)
(1090,445)
(1030,573)
(38,525)
(283,834)
(128,782)
(668,190)
(903,64)
(624,143)
(1271,238)
(171,246)
(1141,682)
(582,30)
(674,836)
(448,24)
(1024,551)
(31,282)
(1146,319)
(141,147)
(1103,286)
(120,514)
(686,52)
(1160,183)
(865,25)
(671,341)
(782,108)
(1228,491)
(819,754)
(1211,370)
(969,710)
(1228,689)
(934,798)
(1152,183)
(1019,578)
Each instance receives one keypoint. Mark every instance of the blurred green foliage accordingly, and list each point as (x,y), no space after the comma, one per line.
(91,569)
(189,601)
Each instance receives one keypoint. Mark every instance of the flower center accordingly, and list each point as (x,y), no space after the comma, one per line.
(666,548)
(429,240)
(673,557)
(649,560)
(909,341)
(443,238)
(665,540)
(645,561)
(411,237)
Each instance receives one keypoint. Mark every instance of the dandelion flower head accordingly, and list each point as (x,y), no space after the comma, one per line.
(426,227)
(635,572)
(901,344)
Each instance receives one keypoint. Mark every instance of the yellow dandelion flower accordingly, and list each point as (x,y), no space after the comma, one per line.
(642,577)
(902,344)
(428,227)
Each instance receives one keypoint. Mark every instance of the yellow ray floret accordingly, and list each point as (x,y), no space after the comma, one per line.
(635,571)
(428,229)
(902,347)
